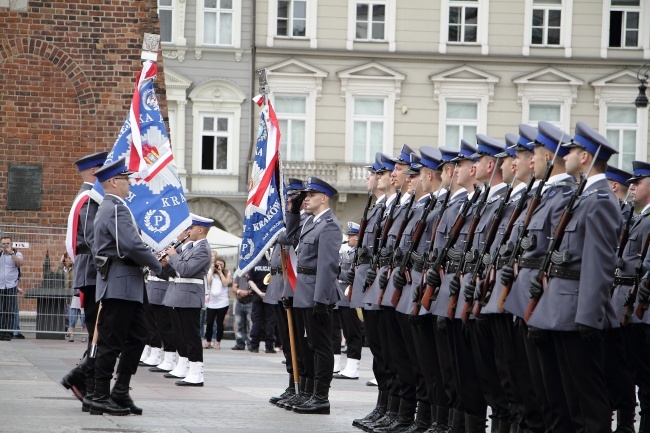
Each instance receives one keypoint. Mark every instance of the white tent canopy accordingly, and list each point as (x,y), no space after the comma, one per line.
(226,244)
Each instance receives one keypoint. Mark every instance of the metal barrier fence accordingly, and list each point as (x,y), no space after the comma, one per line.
(45,287)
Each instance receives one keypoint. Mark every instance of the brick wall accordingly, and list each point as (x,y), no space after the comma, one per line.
(66,79)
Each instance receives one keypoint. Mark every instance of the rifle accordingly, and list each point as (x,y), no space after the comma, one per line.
(431,293)
(625,234)
(534,203)
(558,235)
(488,283)
(362,230)
(430,253)
(389,223)
(487,242)
(631,297)
(418,230)
(469,239)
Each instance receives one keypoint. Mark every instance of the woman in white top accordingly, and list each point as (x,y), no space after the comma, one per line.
(216,300)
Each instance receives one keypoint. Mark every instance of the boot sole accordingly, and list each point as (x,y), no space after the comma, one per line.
(158,370)
(99,412)
(76,391)
(181,383)
(317,412)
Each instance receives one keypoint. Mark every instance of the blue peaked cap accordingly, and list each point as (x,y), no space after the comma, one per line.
(113,169)
(404,156)
(511,145)
(89,161)
(487,146)
(448,154)
(314,184)
(641,169)
(416,164)
(617,175)
(467,151)
(432,157)
(386,163)
(587,138)
(549,136)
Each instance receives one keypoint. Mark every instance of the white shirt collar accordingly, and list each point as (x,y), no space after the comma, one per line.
(645,208)
(595,178)
(317,217)
(442,192)
(556,178)
(404,198)
(518,188)
(496,188)
(458,192)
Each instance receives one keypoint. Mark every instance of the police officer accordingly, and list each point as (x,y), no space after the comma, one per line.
(186,295)
(316,293)
(619,182)
(81,379)
(120,255)
(347,314)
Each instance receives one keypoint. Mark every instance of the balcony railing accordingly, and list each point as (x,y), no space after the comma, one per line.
(346,177)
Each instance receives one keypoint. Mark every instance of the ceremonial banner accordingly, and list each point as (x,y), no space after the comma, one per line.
(156,198)
(263,216)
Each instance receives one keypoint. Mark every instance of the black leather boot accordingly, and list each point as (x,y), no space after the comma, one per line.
(474,424)
(301,389)
(380,407)
(289,392)
(389,415)
(75,379)
(405,417)
(90,390)
(457,421)
(423,419)
(120,393)
(303,397)
(319,402)
(440,421)
(102,402)
(625,421)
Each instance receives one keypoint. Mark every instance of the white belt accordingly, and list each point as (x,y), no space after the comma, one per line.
(188,280)
(152,278)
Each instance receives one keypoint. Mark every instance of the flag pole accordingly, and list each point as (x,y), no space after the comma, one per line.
(264,91)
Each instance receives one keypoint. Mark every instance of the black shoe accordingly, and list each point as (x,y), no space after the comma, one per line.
(270,351)
(318,403)
(254,350)
(75,379)
(238,348)
(102,403)
(19,337)
(120,393)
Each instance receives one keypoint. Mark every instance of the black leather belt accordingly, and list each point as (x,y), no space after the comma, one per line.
(385,261)
(123,262)
(530,263)
(83,250)
(277,270)
(364,260)
(624,281)
(452,267)
(306,271)
(469,268)
(562,272)
(501,262)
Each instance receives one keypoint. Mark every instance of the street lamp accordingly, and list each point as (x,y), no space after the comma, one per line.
(642,74)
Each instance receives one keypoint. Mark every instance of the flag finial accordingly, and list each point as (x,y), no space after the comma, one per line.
(150,45)
(264,84)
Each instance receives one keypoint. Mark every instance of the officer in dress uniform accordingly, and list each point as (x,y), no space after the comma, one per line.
(316,293)
(619,182)
(640,335)
(350,322)
(186,295)
(575,307)
(120,255)
(622,352)
(81,379)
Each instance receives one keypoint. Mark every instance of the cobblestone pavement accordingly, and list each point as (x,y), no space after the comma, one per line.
(235,397)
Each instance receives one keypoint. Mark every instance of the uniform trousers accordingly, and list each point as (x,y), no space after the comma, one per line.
(90,307)
(442,333)
(471,395)
(163,318)
(122,331)
(426,352)
(351,326)
(482,343)
(399,355)
(619,372)
(153,336)
(305,355)
(319,339)
(421,392)
(263,324)
(283,326)
(185,325)
(379,367)
(384,325)
(639,342)
(336,331)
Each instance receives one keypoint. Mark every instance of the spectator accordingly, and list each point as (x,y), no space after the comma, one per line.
(216,300)
(263,316)
(242,312)
(10,263)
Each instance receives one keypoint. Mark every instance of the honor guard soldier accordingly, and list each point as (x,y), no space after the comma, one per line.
(619,182)
(640,341)
(79,241)
(186,295)
(347,314)
(316,292)
(120,255)
(575,307)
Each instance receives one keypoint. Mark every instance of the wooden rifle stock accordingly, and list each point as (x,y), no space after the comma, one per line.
(629,303)
(362,229)
(555,243)
(384,236)
(420,288)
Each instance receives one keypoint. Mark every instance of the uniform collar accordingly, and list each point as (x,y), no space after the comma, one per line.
(646,208)
(595,178)
(317,217)
(519,187)
(460,191)
(495,189)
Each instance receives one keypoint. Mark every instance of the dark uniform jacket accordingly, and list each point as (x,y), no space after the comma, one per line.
(365,255)
(117,237)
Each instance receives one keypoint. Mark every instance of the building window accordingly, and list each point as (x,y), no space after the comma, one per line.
(463,21)
(621,132)
(166,18)
(461,122)
(292,18)
(371,21)
(550,112)
(368,128)
(547,20)
(292,116)
(218,22)
(215,139)
(624,23)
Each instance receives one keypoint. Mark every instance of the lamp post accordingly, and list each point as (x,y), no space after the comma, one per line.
(642,75)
